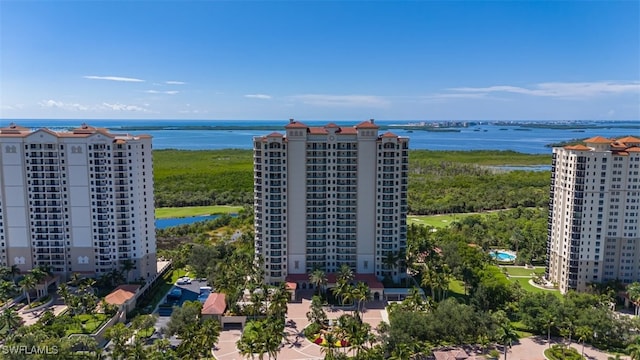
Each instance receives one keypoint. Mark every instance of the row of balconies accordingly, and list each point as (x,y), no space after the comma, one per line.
(47,243)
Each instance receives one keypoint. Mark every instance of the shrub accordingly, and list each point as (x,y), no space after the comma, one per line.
(312,330)
(494,354)
(561,352)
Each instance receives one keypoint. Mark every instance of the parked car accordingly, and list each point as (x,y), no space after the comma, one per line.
(183,280)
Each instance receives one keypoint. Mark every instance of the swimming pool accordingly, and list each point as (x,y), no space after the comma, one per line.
(502,255)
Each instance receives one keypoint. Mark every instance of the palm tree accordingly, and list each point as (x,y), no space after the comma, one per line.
(161,350)
(429,279)
(27,284)
(634,350)
(39,274)
(63,292)
(319,280)
(316,313)
(633,291)
(14,270)
(251,342)
(127,265)
(137,350)
(583,333)
(506,336)
(119,335)
(403,352)
(75,279)
(549,320)
(345,274)
(330,349)
(362,294)
(207,336)
(10,319)
(7,289)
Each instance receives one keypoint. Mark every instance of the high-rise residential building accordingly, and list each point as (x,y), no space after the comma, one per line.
(594,209)
(78,201)
(330,195)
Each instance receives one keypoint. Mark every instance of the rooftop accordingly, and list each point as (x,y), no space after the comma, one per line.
(369,279)
(215,304)
(621,146)
(121,294)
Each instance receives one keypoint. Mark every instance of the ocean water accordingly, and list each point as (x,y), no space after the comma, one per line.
(485,136)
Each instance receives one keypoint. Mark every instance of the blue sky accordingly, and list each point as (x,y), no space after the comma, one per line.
(456,60)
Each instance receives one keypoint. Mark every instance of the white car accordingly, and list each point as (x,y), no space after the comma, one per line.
(183,281)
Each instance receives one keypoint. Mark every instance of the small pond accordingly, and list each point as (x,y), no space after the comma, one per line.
(169,222)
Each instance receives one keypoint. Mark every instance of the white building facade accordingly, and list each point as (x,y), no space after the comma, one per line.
(328,196)
(77,201)
(594,210)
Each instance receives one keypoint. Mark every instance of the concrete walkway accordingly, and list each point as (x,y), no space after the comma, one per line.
(296,346)
(532,348)
(299,348)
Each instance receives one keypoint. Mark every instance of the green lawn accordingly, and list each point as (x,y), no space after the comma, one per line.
(524,282)
(88,323)
(521,329)
(441,221)
(437,221)
(456,288)
(521,271)
(178,212)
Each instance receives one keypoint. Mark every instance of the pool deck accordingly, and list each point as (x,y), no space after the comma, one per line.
(503,255)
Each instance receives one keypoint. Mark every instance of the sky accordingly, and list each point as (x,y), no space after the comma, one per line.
(329,60)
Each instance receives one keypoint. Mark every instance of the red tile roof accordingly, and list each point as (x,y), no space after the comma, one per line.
(369,279)
(629,140)
(347,131)
(275,134)
(295,125)
(215,304)
(331,125)
(369,124)
(634,149)
(598,140)
(121,294)
(317,131)
(389,134)
(578,147)
(83,131)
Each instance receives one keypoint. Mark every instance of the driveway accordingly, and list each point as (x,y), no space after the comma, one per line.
(297,347)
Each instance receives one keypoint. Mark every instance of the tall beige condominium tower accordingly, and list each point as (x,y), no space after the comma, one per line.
(330,195)
(594,210)
(76,201)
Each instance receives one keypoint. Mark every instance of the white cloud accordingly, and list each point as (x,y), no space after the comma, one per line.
(63,105)
(456,96)
(113,78)
(123,107)
(341,100)
(258,96)
(560,89)
(171,82)
(79,107)
(12,107)
(170,92)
